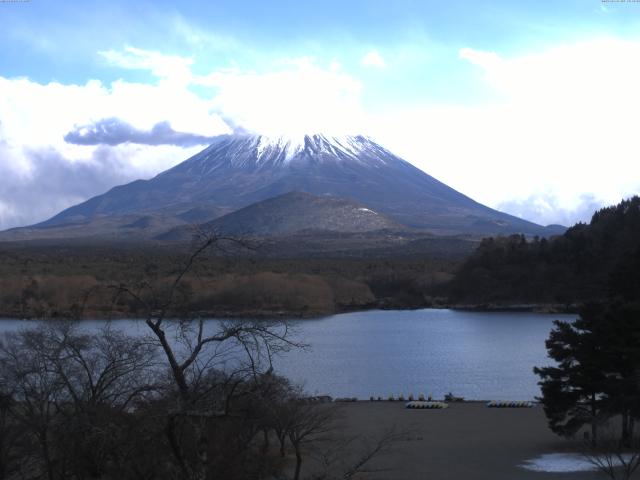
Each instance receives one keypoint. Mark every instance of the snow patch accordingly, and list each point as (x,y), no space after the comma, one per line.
(289,145)
(561,463)
(366,210)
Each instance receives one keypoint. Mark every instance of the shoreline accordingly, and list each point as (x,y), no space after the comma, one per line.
(525,307)
(544,308)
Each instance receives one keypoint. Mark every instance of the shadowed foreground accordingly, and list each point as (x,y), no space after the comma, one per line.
(466,441)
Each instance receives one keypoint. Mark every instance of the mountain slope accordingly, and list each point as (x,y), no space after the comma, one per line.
(294,213)
(102,228)
(238,170)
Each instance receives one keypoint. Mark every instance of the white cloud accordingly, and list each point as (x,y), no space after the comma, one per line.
(546,208)
(298,96)
(35,117)
(373,59)
(204,39)
(37,114)
(53,182)
(169,67)
(563,123)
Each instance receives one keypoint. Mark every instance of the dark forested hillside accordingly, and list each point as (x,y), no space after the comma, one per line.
(45,282)
(590,261)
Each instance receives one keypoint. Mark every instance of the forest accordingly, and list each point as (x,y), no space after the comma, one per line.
(588,262)
(66,282)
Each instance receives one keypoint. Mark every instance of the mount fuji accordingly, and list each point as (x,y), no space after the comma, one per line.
(239,170)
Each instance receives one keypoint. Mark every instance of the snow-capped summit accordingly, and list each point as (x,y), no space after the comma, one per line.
(259,151)
(345,145)
(241,169)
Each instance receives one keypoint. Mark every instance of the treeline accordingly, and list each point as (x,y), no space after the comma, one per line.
(589,261)
(70,283)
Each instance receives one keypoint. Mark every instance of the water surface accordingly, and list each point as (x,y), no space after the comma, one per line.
(478,355)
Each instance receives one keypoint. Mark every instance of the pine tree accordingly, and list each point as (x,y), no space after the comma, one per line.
(597,375)
(574,391)
(622,347)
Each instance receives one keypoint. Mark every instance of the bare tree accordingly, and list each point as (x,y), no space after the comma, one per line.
(193,347)
(617,458)
(9,436)
(66,387)
(37,389)
(308,423)
(191,399)
(108,368)
(337,464)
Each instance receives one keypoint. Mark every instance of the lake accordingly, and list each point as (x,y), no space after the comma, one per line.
(477,355)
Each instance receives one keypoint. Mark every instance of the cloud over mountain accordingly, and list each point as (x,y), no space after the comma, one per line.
(53,183)
(549,119)
(113,131)
(547,208)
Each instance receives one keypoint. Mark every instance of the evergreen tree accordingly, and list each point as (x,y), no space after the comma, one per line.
(597,375)
(573,392)
(622,347)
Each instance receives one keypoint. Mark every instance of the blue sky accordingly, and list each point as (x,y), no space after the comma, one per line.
(58,41)
(502,100)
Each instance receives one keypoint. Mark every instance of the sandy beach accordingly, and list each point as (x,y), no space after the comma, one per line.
(465,441)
